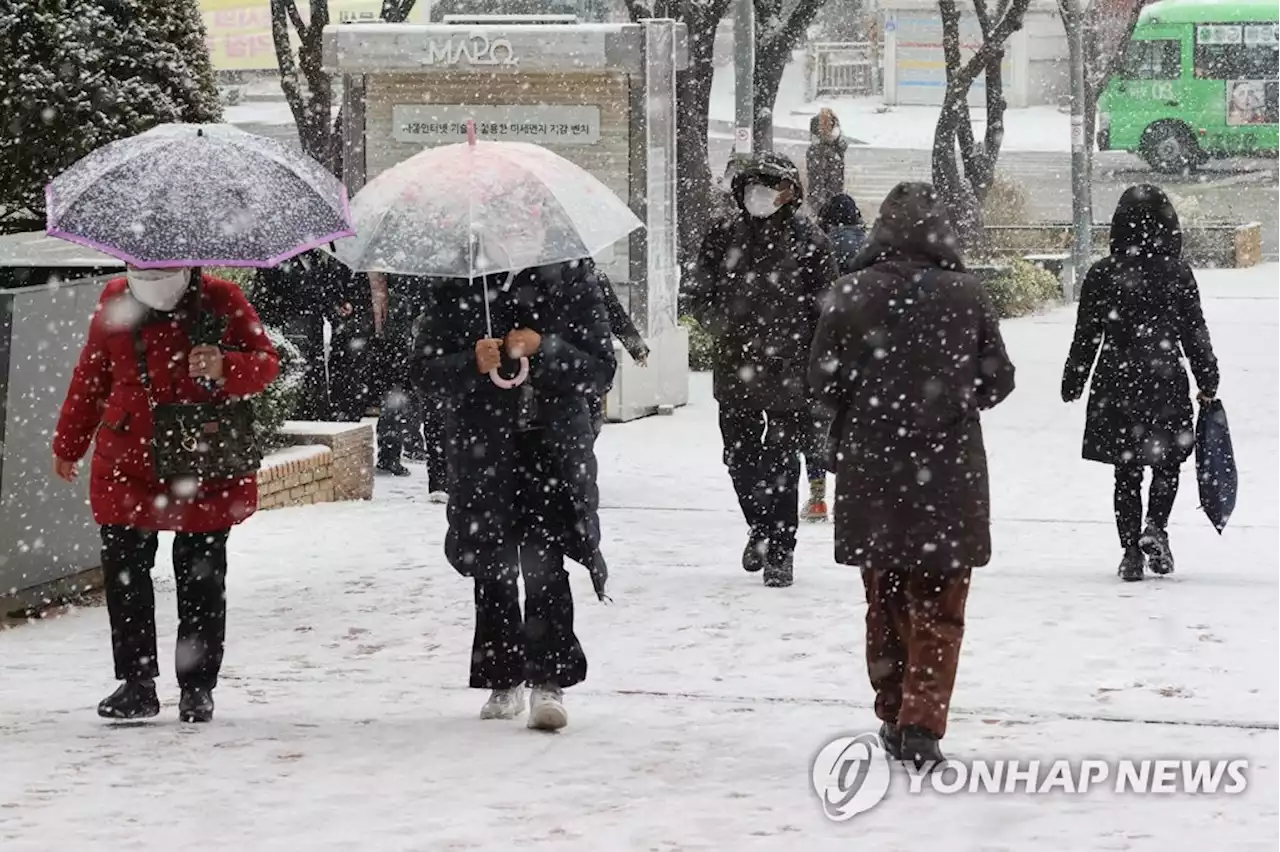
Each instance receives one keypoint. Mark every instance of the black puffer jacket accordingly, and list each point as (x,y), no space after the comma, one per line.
(520,458)
(757,289)
(1141,307)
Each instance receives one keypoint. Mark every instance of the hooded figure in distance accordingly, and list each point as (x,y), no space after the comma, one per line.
(1141,307)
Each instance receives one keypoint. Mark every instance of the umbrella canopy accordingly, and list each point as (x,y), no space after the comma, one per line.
(482,207)
(194,195)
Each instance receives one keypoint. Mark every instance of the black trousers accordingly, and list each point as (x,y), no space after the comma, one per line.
(762,452)
(200,569)
(814,446)
(1128,500)
(540,648)
(434,445)
(306,331)
(400,423)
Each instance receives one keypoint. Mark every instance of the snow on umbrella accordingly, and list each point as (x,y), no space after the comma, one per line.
(526,206)
(478,208)
(193,195)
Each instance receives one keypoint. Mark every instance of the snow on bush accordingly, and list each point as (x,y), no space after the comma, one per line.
(272,407)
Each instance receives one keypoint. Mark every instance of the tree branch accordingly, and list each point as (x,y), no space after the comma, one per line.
(295,18)
(281,11)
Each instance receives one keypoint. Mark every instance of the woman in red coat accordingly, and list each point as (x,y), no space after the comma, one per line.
(153,310)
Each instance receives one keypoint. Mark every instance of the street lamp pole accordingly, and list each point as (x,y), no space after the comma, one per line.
(1081,202)
(744,63)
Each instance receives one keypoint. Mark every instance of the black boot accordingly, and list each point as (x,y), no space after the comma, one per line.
(1155,544)
(196,705)
(133,699)
(891,738)
(921,747)
(395,467)
(779,570)
(1132,565)
(755,554)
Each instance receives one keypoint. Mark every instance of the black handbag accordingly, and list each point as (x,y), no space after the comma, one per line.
(201,440)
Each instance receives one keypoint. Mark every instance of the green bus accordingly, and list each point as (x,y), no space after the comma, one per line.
(1198,80)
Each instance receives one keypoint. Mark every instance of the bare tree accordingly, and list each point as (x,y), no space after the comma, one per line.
(693,97)
(1107,27)
(964,185)
(307,88)
(778,30)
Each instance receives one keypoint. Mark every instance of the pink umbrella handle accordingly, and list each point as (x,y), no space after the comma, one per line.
(471,132)
(517,381)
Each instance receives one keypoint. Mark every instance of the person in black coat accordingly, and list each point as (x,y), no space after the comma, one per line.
(824,159)
(756,289)
(523,492)
(623,328)
(1140,305)
(842,221)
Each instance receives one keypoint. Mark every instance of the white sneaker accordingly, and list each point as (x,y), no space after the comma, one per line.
(546,708)
(504,704)
(438,497)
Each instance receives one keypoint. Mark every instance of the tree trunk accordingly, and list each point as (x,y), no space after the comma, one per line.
(770,63)
(694,205)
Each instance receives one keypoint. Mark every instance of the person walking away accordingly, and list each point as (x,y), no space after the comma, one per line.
(146,320)
(756,289)
(397,301)
(841,220)
(824,159)
(1141,307)
(907,356)
(624,329)
(523,493)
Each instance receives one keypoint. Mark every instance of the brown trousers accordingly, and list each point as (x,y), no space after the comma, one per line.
(915,622)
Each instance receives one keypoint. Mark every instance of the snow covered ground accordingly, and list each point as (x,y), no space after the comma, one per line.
(869,122)
(343,721)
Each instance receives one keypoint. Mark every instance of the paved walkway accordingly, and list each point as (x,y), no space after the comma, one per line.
(343,723)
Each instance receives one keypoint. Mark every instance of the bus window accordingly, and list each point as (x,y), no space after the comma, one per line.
(1159,59)
(1235,52)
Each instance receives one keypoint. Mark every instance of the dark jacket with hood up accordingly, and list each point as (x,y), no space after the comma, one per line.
(523,456)
(842,221)
(911,469)
(757,289)
(1140,306)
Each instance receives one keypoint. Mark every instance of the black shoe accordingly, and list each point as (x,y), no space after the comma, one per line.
(131,700)
(1132,565)
(196,705)
(418,454)
(394,468)
(920,747)
(779,570)
(1155,544)
(755,554)
(891,739)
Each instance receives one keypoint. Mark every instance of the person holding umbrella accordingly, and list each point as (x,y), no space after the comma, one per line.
(514,342)
(140,352)
(523,495)
(1141,307)
(172,356)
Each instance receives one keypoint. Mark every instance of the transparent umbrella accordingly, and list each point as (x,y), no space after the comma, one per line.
(478,208)
(197,195)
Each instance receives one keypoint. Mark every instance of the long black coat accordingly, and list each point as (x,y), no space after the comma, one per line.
(757,289)
(506,480)
(911,466)
(1140,306)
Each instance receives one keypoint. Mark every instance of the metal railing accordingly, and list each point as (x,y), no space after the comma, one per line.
(842,68)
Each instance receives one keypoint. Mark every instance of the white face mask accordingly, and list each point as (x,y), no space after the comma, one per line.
(760,201)
(159,289)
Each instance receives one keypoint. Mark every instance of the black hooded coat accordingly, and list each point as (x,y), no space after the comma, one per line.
(1140,308)
(520,458)
(757,289)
